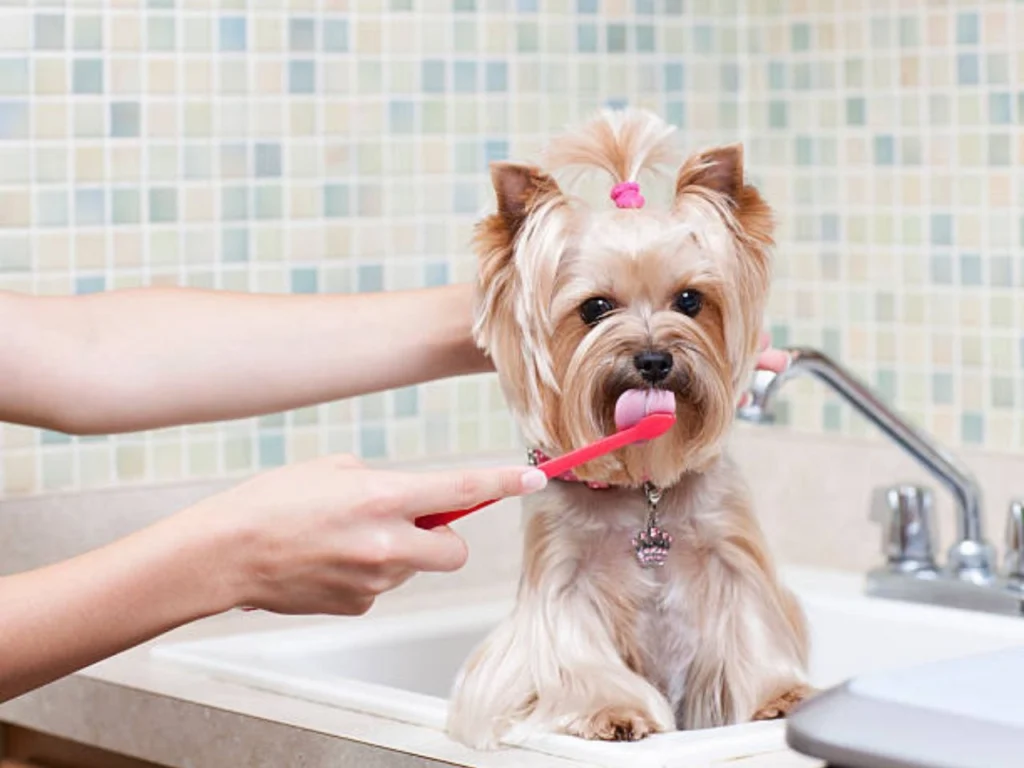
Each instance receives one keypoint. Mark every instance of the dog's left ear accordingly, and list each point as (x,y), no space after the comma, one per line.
(519,188)
(720,170)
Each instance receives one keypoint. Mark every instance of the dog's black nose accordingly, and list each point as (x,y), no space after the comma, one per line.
(653,366)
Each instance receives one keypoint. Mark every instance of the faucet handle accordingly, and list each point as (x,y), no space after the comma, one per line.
(1014,558)
(909,529)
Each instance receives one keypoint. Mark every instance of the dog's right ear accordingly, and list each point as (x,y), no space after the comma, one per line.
(520,188)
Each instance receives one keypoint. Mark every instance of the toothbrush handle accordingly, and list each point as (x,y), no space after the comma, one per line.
(443,518)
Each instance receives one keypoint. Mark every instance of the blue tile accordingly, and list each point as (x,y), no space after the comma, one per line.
(235,245)
(163,205)
(526,6)
(803,76)
(496,76)
(94,284)
(776,75)
(495,150)
(301,77)
(124,119)
(780,336)
(160,34)
(464,199)
(304,280)
(645,7)
(830,227)
(268,160)
(302,35)
(465,76)
(48,437)
(336,202)
(730,75)
(234,204)
(527,37)
(972,428)
(87,76)
(942,388)
(89,207)
(804,150)
(674,77)
(941,229)
(704,38)
(967,29)
(675,113)
(800,37)
(464,6)
(778,114)
(856,111)
(373,443)
(335,34)
(267,204)
(232,33)
(52,208)
(1000,108)
(370,278)
(88,33)
(970,269)
(466,157)
(941,269)
(967,70)
(271,451)
(126,206)
(586,38)
(14,76)
(402,116)
(616,38)
(646,41)
(435,274)
(831,417)
(433,76)
(407,402)
(832,342)
(885,150)
(586,6)
(885,381)
(1000,271)
(49,32)
(616,104)
(674,7)
(908,32)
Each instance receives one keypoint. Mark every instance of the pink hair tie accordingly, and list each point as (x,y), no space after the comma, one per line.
(627,195)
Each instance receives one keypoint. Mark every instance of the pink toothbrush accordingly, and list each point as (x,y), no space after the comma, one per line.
(649,427)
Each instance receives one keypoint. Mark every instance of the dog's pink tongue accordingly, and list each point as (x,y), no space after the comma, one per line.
(634,404)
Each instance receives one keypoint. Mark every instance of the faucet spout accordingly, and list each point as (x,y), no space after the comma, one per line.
(971,557)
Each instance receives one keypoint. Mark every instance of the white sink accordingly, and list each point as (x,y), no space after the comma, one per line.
(402,667)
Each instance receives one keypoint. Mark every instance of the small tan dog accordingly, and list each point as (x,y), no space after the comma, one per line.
(648,601)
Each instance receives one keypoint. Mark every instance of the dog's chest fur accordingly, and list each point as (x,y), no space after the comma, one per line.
(592,531)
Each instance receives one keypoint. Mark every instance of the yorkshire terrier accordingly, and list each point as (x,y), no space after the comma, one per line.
(648,600)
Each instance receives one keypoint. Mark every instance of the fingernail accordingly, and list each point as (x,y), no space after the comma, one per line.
(534,480)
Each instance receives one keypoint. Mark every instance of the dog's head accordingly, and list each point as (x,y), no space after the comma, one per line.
(594,318)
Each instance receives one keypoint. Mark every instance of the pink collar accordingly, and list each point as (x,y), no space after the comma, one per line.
(536,457)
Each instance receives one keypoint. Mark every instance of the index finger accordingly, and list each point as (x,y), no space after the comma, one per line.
(458,489)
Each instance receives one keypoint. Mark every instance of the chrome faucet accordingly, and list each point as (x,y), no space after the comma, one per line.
(969,578)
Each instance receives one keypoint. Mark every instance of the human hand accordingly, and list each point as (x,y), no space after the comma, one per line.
(329,535)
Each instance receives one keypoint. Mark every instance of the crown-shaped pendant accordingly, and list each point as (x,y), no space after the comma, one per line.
(652,544)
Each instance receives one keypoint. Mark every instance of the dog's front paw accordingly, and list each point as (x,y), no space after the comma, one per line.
(614,723)
(781,705)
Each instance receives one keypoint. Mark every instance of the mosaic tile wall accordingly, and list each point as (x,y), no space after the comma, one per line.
(342,145)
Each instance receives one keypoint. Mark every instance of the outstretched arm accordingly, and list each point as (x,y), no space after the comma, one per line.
(139,359)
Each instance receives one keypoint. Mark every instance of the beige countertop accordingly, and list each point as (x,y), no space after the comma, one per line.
(154,710)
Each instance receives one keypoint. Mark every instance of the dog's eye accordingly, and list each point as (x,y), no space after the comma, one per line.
(593,310)
(689,303)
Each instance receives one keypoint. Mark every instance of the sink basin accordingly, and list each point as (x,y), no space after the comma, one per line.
(402,667)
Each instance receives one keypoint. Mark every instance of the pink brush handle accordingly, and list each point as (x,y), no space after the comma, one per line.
(647,428)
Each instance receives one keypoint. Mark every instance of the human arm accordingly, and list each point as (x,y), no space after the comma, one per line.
(325,536)
(138,359)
